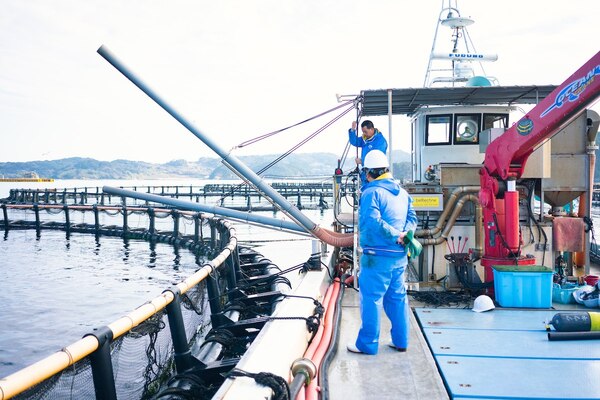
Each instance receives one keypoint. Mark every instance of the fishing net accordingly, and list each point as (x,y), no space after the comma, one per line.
(142,360)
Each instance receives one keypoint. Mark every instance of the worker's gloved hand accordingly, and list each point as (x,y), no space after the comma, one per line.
(412,245)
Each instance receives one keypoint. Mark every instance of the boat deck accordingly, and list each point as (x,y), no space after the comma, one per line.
(389,374)
(505,354)
(458,354)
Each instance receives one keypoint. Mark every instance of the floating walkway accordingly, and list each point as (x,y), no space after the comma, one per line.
(505,354)
(240,197)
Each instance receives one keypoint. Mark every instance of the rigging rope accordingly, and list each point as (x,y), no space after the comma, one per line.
(294,148)
(266,135)
(304,141)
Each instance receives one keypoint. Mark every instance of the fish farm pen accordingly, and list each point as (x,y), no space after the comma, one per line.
(242,197)
(181,344)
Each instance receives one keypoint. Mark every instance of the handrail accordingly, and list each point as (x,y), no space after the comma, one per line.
(35,373)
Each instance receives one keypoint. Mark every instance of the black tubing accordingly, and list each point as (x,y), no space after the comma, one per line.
(296,385)
(556,336)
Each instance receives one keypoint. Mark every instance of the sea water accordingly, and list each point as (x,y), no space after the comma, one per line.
(57,287)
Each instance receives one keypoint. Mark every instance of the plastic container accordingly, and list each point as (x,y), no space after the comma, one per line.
(564,294)
(527,286)
(591,279)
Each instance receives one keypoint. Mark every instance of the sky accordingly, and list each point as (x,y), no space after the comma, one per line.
(240,69)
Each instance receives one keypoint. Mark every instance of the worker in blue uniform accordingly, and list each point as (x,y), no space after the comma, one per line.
(385,216)
(371,139)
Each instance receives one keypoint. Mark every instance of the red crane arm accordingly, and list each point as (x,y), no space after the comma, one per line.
(506,156)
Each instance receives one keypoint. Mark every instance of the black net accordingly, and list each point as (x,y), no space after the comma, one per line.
(142,360)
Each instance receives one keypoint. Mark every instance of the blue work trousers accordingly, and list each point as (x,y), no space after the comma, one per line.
(381,280)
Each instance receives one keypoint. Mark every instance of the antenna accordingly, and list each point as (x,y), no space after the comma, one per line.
(460,57)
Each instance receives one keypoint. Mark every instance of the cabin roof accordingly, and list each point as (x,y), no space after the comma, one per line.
(407,101)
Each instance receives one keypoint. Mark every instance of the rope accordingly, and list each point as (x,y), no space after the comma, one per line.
(281,390)
(290,151)
(266,135)
(304,141)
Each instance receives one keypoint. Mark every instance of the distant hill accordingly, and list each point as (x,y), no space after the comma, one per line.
(293,166)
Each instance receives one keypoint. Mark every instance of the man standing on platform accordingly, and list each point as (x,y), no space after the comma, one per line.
(371,139)
(385,216)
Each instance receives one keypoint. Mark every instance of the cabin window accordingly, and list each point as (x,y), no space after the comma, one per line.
(467,128)
(438,129)
(495,121)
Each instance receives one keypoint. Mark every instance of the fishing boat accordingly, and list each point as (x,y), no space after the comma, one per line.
(496,204)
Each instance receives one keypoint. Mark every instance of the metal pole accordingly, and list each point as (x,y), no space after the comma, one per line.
(390,148)
(5,214)
(183,357)
(228,159)
(67,219)
(188,205)
(197,227)
(96,219)
(102,370)
(124,210)
(151,216)
(36,210)
(175,215)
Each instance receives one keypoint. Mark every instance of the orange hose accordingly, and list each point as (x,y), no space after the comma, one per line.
(312,389)
(310,351)
(334,239)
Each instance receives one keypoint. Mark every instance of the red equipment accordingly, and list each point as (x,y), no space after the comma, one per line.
(506,156)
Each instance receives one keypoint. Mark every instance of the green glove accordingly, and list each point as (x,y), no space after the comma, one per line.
(412,245)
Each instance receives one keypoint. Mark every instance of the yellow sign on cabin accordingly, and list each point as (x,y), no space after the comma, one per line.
(427,202)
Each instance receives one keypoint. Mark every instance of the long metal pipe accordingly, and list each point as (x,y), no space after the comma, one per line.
(286,206)
(222,211)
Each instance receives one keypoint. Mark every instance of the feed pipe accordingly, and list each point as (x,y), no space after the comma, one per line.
(332,238)
(449,205)
(455,213)
(38,372)
(226,212)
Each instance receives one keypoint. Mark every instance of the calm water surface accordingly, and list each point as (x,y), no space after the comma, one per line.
(58,287)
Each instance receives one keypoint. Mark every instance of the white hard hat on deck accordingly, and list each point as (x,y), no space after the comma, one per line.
(376,159)
(483,303)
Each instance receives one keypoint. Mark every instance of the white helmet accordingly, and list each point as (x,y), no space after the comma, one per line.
(483,303)
(376,159)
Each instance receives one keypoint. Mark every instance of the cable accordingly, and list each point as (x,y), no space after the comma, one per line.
(290,151)
(266,135)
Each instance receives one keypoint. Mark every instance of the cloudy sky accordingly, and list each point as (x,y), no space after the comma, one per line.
(239,69)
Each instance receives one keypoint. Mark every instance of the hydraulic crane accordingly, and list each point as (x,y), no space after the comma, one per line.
(506,156)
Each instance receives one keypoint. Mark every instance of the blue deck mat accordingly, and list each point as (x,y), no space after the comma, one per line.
(505,354)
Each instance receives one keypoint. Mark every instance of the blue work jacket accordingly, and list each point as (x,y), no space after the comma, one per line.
(377,142)
(385,211)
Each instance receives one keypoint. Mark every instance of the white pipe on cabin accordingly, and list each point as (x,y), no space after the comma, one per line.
(390,147)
